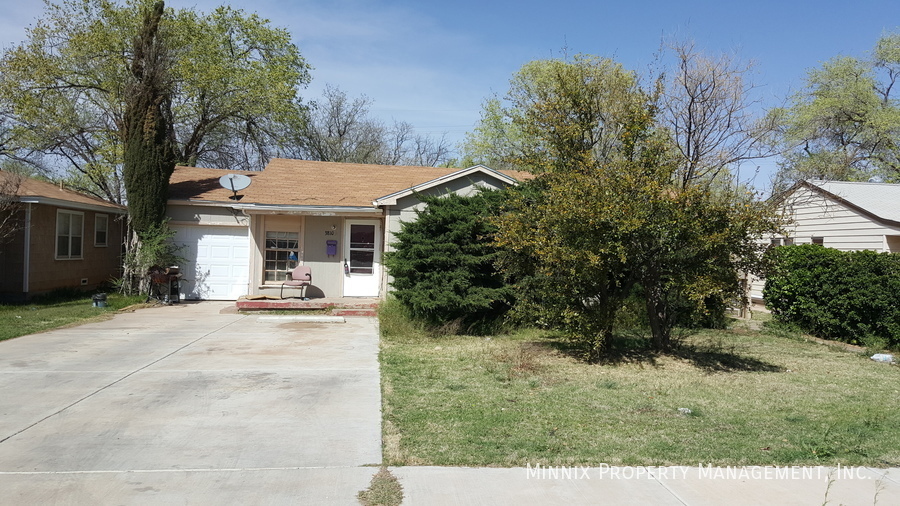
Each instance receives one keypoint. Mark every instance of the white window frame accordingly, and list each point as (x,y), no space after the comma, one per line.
(105,219)
(69,235)
(280,275)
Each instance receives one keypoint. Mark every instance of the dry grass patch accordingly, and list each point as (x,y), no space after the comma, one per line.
(384,490)
(753,399)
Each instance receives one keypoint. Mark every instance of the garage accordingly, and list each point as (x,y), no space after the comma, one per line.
(217,260)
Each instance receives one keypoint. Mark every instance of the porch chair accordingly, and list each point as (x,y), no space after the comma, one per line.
(301,277)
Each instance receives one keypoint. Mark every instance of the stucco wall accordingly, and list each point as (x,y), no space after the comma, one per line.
(202,215)
(327,271)
(272,223)
(314,231)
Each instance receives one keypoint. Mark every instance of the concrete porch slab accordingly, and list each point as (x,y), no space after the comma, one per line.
(334,304)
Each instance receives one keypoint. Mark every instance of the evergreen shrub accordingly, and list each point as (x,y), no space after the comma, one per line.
(848,296)
(443,264)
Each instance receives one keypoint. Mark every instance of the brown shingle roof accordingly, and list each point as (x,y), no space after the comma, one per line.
(39,189)
(307,183)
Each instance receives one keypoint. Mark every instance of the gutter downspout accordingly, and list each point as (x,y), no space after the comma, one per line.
(27,252)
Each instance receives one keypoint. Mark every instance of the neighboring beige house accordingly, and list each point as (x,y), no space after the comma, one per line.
(62,239)
(336,218)
(843,215)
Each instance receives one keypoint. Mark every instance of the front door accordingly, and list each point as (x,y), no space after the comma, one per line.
(362,258)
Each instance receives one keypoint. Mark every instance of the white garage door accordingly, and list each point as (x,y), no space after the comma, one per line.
(217,262)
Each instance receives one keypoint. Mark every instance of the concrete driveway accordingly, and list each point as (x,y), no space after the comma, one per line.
(190,403)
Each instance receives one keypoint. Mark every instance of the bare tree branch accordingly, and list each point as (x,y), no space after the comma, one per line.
(709,111)
(10,206)
(339,129)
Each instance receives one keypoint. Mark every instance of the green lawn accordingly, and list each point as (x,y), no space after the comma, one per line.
(754,399)
(57,311)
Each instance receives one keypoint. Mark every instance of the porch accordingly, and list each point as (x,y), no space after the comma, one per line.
(337,306)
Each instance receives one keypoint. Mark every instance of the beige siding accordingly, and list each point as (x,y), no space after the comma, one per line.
(406,207)
(841,228)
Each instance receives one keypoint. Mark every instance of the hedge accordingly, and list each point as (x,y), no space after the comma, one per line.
(850,296)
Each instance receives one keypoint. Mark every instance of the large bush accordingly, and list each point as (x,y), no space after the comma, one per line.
(848,296)
(443,263)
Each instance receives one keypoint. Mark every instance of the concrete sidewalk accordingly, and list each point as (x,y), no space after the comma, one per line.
(677,486)
(190,404)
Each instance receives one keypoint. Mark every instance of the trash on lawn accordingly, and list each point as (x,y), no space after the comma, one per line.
(883,357)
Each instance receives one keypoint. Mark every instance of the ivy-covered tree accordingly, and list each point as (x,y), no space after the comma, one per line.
(443,262)
(149,154)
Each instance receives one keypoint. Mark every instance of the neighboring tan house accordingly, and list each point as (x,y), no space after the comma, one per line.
(843,215)
(336,218)
(61,239)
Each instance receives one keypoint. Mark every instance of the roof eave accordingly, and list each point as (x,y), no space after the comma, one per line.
(81,206)
(298,209)
(393,198)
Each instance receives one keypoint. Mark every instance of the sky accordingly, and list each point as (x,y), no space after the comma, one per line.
(432,63)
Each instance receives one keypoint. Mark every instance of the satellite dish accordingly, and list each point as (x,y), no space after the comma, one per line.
(235,183)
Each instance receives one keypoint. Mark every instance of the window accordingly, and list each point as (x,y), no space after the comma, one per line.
(281,254)
(775,242)
(362,249)
(818,240)
(69,230)
(101,230)
(788,241)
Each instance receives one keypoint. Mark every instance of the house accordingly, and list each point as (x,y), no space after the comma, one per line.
(336,218)
(59,239)
(843,215)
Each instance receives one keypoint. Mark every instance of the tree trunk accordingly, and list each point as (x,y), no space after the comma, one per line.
(657,312)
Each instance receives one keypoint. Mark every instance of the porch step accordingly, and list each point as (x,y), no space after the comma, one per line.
(366,307)
(354,312)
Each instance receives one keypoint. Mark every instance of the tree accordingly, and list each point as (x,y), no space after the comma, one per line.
(338,129)
(149,154)
(443,263)
(235,83)
(559,115)
(845,122)
(609,213)
(709,112)
(496,142)
(10,206)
